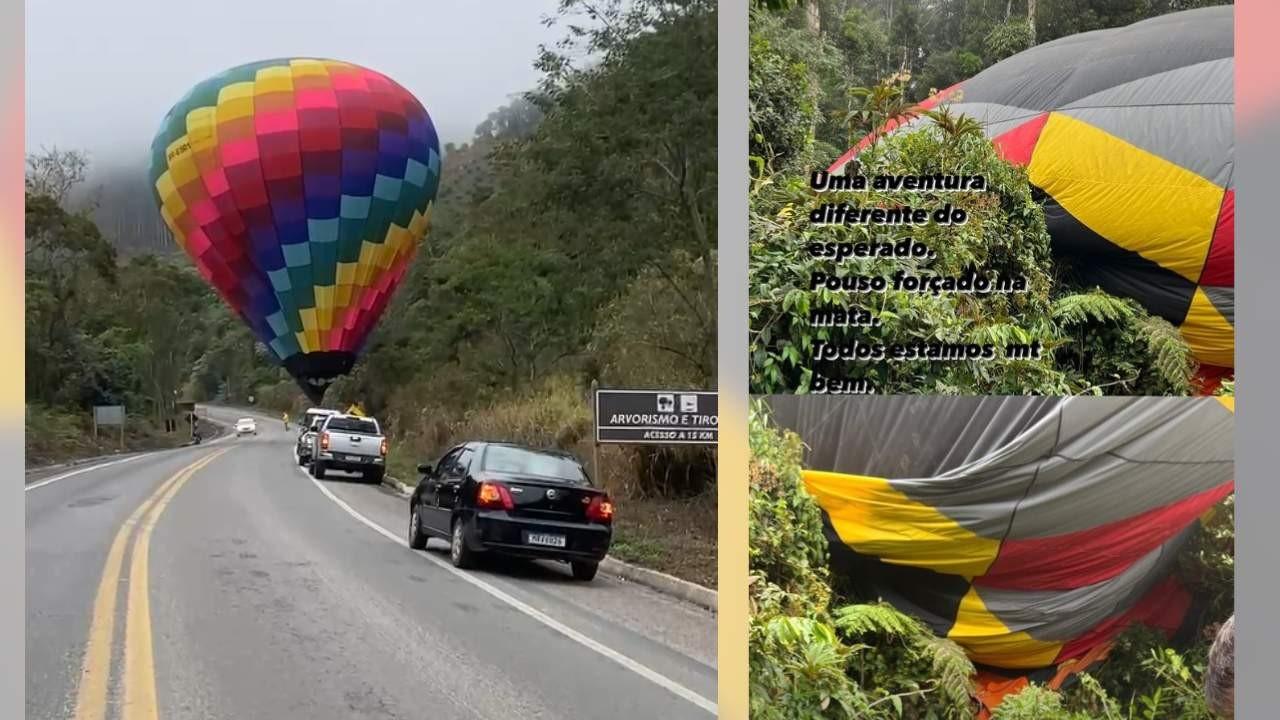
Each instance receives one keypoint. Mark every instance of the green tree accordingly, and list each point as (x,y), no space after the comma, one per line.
(67,260)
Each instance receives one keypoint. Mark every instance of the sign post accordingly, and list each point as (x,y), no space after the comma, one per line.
(656,417)
(595,422)
(188,409)
(108,415)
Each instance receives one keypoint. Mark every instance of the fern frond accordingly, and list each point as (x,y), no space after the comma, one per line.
(951,667)
(878,618)
(1095,306)
(1172,356)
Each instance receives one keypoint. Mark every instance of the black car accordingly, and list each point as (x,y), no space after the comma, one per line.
(512,500)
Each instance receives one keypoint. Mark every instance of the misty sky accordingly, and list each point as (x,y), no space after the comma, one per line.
(101,75)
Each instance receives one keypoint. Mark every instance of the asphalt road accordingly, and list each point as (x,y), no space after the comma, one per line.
(220,581)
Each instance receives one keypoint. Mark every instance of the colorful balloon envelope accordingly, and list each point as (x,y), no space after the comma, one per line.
(1129,134)
(1031,531)
(301,188)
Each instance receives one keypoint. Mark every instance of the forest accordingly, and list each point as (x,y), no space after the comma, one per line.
(573,240)
(825,74)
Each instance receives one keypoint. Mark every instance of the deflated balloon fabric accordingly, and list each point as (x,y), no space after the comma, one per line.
(1029,530)
(1129,134)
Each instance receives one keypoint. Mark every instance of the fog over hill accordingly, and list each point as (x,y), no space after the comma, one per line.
(124,207)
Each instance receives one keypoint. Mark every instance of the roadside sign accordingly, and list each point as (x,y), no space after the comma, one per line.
(657,417)
(108,414)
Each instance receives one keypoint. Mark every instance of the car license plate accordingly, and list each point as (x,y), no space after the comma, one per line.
(545,539)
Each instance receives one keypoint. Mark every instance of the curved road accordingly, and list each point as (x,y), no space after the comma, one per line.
(221,582)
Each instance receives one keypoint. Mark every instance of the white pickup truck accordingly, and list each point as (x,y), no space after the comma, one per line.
(351,443)
(311,422)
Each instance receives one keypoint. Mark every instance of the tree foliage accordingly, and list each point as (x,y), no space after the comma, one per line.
(812,96)
(1093,342)
(141,333)
(858,43)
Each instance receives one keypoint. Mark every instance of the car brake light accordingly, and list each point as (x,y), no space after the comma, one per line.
(494,495)
(601,509)
(324,441)
(383,449)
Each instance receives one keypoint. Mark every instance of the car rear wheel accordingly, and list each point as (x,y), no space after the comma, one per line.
(373,476)
(459,553)
(417,538)
(317,469)
(302,460)
(584,571)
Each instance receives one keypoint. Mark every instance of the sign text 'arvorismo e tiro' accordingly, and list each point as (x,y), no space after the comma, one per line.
(656,417)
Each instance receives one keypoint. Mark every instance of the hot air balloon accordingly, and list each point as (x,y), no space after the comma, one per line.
(301,188)
(1128,133)
(1031,531)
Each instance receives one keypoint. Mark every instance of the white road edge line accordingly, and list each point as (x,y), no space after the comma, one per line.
(626,662)
(99,466)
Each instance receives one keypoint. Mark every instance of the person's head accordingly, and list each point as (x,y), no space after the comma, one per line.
(1220,675)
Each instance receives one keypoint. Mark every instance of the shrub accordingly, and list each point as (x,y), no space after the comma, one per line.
(788,553)
(1035,703)
(1005,235)
(1092,342)
(783,98)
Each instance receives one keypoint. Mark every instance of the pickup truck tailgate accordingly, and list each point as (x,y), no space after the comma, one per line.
(354,437)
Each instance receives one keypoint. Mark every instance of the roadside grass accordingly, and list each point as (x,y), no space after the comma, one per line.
(677,537)
(54,435)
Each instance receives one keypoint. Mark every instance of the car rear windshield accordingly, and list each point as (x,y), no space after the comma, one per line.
(355,425)
(519,461)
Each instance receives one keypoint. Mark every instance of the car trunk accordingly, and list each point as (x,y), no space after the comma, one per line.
(547,498)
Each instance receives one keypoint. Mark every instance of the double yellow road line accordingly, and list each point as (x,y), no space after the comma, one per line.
(139,680)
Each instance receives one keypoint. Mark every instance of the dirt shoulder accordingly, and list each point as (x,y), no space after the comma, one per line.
(677,537)
(63,439)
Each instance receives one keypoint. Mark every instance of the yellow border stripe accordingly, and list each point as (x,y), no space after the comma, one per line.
(95,674)
(990,641)
(1133,198)
(873,518)
(1207,332)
